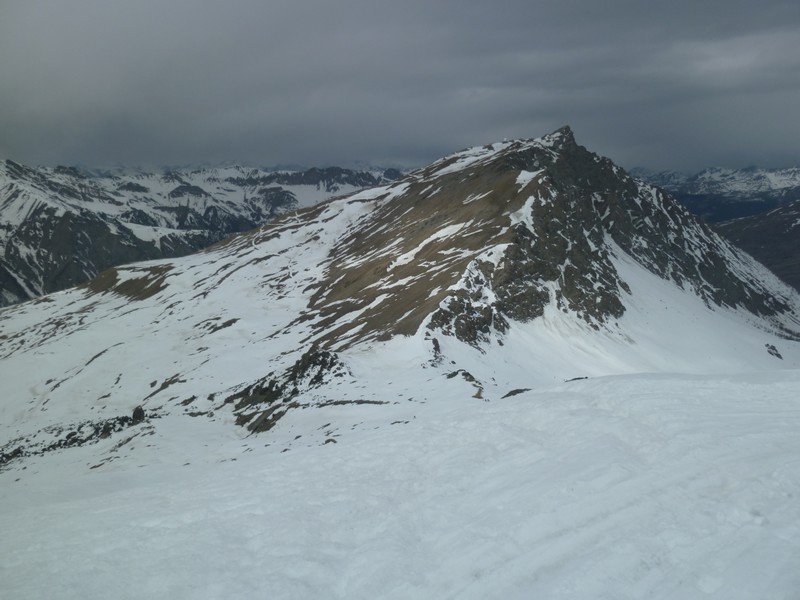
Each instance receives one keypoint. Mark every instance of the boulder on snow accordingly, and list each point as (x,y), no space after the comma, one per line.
(138,415)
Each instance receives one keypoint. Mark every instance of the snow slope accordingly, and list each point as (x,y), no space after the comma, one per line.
(644,486)
(60,227)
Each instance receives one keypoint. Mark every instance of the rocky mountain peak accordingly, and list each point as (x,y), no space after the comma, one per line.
(561,137)
(501,232)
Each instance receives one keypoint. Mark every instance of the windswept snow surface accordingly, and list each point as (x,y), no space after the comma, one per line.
(640,486)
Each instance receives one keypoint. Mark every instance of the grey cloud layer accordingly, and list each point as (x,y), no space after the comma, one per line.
(680,84)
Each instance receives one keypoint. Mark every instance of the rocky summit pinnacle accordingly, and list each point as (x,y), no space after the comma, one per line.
(565,133)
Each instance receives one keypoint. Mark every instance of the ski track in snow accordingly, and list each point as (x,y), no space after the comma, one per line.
(622,487)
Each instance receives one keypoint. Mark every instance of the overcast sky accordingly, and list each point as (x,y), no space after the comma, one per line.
(679,84)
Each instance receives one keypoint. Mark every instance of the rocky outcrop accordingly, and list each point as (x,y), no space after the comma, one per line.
(259,406)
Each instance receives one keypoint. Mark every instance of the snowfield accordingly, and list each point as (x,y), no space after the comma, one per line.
(641,486)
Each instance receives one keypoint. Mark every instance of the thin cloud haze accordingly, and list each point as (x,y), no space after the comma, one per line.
(661,84)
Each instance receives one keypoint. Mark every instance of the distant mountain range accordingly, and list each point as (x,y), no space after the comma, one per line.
(719,194)
(59,227)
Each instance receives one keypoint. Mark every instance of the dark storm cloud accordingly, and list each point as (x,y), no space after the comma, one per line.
(680,84)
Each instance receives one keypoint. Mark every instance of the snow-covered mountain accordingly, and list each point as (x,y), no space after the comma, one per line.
(517,372)
(772,237)
(60,227)
(749,183)
(719,194)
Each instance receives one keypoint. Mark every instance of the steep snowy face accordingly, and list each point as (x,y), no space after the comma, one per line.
(772,237)
(59,227)
(488,271)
